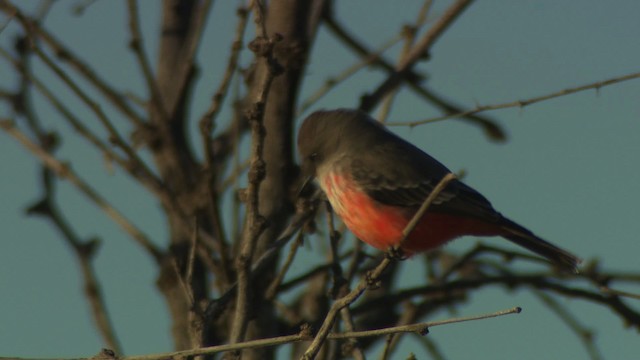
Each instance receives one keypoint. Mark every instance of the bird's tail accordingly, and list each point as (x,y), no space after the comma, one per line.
(525,238)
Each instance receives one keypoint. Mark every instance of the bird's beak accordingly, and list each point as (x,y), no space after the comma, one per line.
(304,187)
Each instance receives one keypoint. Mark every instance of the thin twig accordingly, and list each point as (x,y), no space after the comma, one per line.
(522,103)
(423,328)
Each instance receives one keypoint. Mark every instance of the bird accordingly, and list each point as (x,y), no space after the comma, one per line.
(376,181)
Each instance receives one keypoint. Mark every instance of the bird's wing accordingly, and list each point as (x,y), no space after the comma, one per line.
(410,179)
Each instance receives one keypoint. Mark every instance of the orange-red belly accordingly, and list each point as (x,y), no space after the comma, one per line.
(381,225)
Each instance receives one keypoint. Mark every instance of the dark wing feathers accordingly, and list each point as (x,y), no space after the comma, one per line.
(411,178)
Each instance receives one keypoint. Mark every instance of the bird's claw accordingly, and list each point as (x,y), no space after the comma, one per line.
(396,253)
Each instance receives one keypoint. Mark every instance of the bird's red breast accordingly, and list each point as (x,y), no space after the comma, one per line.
(381,225)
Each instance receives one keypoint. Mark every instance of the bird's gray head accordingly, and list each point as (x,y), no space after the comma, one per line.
(325,135)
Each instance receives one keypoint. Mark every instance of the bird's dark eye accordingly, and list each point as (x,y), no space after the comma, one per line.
(313,156)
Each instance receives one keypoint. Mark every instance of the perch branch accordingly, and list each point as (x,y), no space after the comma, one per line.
(372,277)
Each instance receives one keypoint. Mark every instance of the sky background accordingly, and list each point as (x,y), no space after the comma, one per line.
(569,170)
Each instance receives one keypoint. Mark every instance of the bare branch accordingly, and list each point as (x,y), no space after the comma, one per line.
(64,171)
(423,328)
(272,290)
(182,75)
(206,121)
(409,33)
(541,281)
(585,335)
(137,45)
(333,81)
(114,136)
(421,49)
(420,328)
(147,179)
(414,80)
(33,29)
(84,251)
(256,223)
(206,128)
(608,290)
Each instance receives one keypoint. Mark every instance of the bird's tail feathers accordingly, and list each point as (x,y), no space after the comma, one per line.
(525,238)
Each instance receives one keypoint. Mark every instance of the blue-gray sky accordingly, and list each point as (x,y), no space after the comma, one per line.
(569,170)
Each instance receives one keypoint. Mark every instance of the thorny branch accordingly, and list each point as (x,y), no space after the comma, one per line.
(522,103)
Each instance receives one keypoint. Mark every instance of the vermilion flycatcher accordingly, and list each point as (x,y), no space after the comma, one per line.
(376,181)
